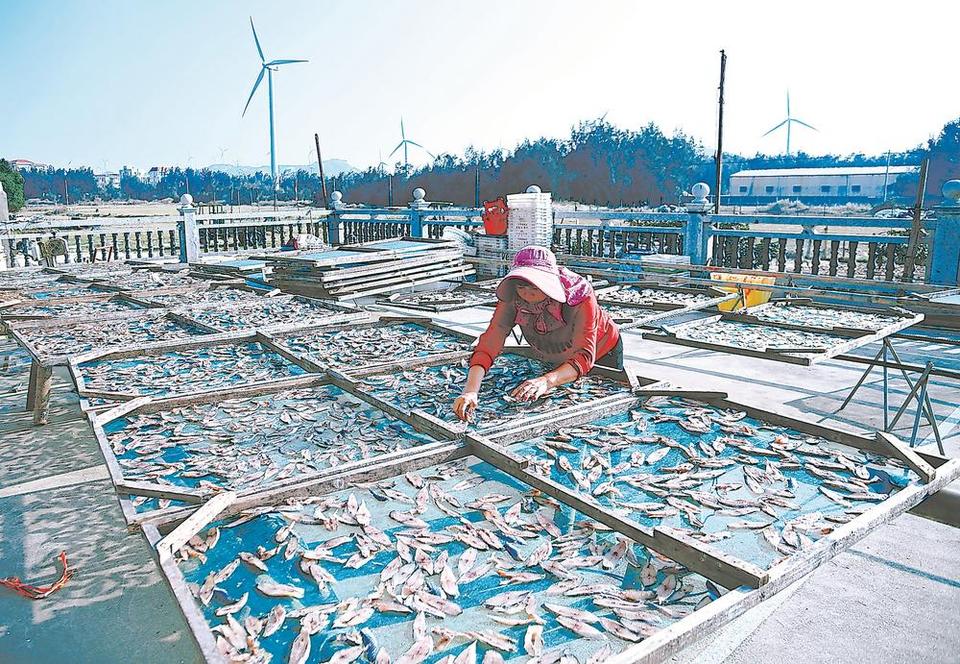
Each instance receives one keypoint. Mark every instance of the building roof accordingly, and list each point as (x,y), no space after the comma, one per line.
(814,172)
(26,163)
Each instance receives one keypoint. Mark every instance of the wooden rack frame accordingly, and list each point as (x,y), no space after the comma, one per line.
(847,338)
(747,584)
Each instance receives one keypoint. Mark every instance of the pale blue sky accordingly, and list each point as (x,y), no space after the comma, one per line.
(143,83)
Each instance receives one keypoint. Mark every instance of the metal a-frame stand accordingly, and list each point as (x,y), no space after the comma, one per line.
(918,391)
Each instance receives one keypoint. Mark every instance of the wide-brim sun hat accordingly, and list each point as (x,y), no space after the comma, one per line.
(537,266)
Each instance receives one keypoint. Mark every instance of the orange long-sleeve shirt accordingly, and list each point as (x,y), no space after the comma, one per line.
(588,334)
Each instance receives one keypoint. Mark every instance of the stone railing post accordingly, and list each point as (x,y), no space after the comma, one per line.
(187,229)
(697,237)
(944,262)
(4,218)
(334,230)
(417,205)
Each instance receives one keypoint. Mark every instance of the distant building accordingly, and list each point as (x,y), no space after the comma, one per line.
(155,174)
(131,172)
(815,185)
(107,180)
(27,165)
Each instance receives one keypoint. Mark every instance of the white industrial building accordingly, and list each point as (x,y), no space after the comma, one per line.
(107,180)
(847,183)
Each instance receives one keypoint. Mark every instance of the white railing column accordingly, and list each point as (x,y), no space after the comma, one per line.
(187,228)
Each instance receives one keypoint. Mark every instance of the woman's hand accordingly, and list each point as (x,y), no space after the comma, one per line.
(465,404)
(531,390)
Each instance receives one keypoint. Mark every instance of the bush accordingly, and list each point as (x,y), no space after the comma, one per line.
(12,184)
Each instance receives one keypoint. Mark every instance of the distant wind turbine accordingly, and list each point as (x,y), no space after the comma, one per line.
(406,142)
(269,68)
(381,164)
(789,121)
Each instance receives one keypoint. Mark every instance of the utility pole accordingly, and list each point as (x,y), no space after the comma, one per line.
(719,178)
(910,261)
(476,187)
(323,183)
(886,177)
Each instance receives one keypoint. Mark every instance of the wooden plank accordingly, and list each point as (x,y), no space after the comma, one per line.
(233,392)
(164,491)
(512,432)
(670,640)
(119,411)
(301,361)
(548,421)
(900,450)
(193,524)
(170,346)
(414,459)
(717,566)
(197,622)
(41,394)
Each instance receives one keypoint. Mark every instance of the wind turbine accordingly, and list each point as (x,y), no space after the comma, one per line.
(406,142)
(269,68)
(789,121)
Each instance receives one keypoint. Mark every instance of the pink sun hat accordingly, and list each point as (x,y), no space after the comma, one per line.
(537,266)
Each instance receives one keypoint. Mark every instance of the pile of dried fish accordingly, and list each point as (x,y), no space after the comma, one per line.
(203,299)
(72,309)
(59,289)
(26,278)
(757,337)
(638,295)
(187,371)
(447,565)
(266,312)
(352,348)
(433,390)
(141,280)
(97,270)
(76,338)
(488,284)
(758,491)
(244,443)
(633,314)
(795,314)
(443,300)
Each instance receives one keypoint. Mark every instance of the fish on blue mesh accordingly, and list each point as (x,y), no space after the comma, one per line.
(416,568)
(757,491)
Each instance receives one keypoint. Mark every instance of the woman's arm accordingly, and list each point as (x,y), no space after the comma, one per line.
(491,341)
(530,390)
(488,347)
(467,402)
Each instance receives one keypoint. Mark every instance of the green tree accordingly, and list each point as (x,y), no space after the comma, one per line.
(12,184)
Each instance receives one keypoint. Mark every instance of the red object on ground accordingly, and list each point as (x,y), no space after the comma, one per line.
(39,592)
(495,216)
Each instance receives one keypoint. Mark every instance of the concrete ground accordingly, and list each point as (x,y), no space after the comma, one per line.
(891,598)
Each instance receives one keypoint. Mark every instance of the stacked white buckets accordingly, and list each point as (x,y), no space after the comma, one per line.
(529,220)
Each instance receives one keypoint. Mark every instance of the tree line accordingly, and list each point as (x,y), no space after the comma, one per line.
(598,164)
